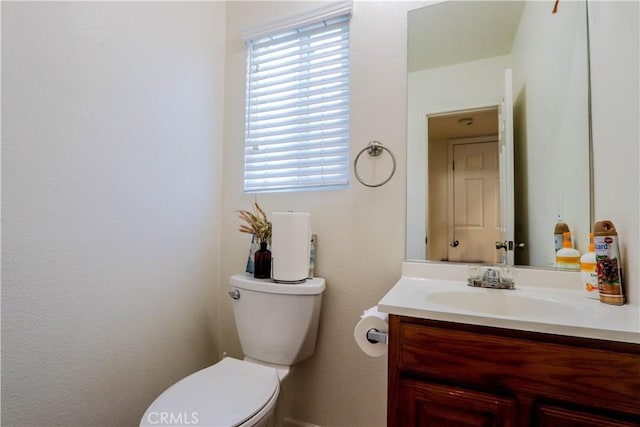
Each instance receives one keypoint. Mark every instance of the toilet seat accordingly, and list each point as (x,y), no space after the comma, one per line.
(228,393)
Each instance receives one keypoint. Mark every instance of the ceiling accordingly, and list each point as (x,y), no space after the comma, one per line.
(451,32)
(448,126)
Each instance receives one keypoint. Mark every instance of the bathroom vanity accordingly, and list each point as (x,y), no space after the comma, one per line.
(443,373)
(507,364)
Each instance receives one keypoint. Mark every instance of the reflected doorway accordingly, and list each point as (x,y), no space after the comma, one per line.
(463,203)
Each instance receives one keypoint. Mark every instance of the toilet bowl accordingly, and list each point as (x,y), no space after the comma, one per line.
(277,326)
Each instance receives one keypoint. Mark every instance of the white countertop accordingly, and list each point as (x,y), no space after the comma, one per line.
(544,301)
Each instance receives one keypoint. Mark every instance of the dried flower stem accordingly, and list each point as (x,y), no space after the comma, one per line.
(257,223)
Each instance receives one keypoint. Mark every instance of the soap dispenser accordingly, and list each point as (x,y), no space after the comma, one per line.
(568,258)
(588,271)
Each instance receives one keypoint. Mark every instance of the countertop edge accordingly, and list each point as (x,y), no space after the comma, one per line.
(514,324)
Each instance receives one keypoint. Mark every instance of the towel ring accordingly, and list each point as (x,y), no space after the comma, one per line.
(374,149)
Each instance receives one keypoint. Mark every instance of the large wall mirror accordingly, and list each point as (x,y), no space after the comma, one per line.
(480,70)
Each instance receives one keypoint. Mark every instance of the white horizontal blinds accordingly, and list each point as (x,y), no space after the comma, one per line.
(297,108)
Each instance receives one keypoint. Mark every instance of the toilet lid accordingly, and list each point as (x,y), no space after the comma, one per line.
(225,394)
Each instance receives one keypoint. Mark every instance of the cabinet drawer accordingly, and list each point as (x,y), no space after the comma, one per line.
(550,416)
(505,364)
(434,405)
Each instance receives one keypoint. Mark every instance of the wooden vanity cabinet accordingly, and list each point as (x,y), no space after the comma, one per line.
(451,374)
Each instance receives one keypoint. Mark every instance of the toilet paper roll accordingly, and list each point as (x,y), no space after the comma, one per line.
(290,246)
(371,319)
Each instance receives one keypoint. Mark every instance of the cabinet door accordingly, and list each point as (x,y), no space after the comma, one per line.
(553,416)
(433,405)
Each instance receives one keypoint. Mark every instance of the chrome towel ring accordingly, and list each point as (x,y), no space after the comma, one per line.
(374,149)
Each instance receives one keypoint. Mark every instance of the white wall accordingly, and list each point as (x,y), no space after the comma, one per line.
(360,230)
(615,48)
(112,126)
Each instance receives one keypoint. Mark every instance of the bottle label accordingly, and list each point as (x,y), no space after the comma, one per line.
(590,279)
(570,262)
(557,241)
(608,266)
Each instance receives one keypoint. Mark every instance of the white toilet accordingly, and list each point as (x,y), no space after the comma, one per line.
(277,325)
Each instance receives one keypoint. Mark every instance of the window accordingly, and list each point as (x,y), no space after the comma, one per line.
(297,108)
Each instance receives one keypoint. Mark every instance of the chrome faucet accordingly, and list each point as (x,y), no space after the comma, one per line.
(492,278)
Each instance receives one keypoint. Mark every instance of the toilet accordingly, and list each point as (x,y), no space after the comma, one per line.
(277,325)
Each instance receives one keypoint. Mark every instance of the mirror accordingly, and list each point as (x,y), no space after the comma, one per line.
(458,52)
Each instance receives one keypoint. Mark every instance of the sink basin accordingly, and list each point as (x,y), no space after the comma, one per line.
(506,303)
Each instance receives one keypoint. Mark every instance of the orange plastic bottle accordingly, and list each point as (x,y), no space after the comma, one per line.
(588,271)
(568,258)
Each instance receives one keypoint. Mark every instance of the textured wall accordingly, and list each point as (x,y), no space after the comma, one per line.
(615,89)
(110,223)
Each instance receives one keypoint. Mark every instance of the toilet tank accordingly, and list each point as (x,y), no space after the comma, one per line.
(277,323)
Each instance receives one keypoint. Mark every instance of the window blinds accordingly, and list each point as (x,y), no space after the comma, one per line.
(297,108)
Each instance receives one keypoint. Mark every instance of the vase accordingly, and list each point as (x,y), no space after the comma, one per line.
(262,262)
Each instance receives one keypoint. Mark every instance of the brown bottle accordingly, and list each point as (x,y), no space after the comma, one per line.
(262,262)
(608,264)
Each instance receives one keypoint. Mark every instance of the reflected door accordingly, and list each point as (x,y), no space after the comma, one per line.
(474,201)
(505,140)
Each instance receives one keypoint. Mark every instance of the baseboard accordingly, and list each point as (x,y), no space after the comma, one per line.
(290,422)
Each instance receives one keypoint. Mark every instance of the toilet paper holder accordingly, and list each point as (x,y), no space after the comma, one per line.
(375,336)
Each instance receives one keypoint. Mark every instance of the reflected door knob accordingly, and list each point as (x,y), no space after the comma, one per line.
(507,245)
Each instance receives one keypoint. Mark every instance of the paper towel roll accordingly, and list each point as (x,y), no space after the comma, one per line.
(290,246)
(371,319)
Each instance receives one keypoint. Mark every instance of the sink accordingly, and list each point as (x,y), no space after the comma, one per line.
(507,303)
(544,301)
